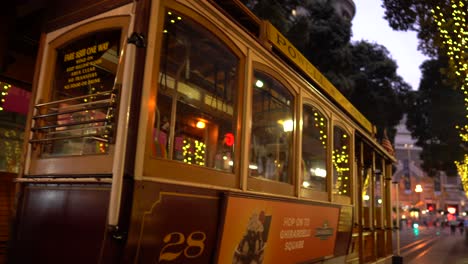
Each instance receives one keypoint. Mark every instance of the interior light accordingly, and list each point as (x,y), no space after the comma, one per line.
(319,172)
(366,197)
(200,124)
(305,184)
(259,84)
(288,125)
(253,166)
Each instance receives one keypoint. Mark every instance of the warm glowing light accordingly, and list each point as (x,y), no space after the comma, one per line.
(366,197)
(305,184)
(418,188)
(259,84)
(451,210)
(253,166)
(288,125)
(200,124)
(319,172)
(451,24)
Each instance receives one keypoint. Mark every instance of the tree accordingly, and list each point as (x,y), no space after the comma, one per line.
(436,109)
(363,72)
(416,15)
(379,92)
(279,13)
(325,42)
(441,27)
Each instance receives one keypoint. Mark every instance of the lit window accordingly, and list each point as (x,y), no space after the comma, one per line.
(314,149)
(272,127)
(195,120)
(341,162)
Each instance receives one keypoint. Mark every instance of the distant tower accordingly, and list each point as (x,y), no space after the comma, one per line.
(344,8)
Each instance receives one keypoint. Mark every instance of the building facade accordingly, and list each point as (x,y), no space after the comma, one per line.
(345,8)
(421,198)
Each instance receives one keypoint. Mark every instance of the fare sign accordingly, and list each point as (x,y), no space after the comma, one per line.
(88,63)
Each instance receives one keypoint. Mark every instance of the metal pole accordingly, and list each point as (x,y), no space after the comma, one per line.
(397,199)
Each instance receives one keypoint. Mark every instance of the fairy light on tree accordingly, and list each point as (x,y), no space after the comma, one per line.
(194,152)
(321,124)
(452,28)
(3,93)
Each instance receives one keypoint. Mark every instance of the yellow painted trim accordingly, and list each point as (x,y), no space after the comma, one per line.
(286,48)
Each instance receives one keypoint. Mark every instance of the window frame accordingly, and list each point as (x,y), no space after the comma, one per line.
(172,170)
(308,193)
(95,163)
(262,184)
(337,198)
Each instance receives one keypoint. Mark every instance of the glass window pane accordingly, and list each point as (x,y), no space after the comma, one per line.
(378,196)
(341,162)
(14,105)
(84,76)
(195,120)
(272,127)
(314,149)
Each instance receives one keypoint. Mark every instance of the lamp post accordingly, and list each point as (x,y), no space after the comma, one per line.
(408,148)
(418,189)
(397,222)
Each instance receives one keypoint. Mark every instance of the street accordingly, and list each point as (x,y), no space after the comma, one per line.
(432,245)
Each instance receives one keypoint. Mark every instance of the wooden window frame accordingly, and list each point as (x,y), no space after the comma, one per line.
(265,185)
(87,164)
(171,170)
(308,193)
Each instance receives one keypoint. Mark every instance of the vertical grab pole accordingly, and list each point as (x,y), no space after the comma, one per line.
(128,57)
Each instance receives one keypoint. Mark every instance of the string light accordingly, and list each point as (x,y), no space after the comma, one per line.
(340,160)
(452,27)
(3,93)
(194,152)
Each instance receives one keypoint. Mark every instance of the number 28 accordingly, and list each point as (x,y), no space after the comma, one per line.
(195,245)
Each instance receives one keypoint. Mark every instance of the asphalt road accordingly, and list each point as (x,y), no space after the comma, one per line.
(432,246)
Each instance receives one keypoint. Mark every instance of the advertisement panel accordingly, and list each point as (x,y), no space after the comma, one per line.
(256,230)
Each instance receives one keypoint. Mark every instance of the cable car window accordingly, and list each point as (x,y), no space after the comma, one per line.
(341,162)
(196,114)
(314,149)
(79,118)
(272,129)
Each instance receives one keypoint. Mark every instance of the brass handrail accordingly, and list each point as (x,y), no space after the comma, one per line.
(98,137)
(79,129)
(75,98)
(71,124)
(107,103)
(47,130)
